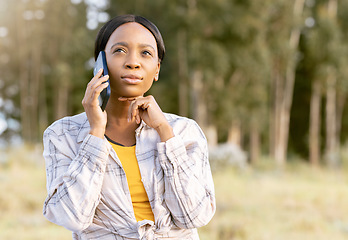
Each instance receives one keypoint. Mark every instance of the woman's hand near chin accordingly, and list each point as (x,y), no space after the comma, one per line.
(96,117)
(147,109)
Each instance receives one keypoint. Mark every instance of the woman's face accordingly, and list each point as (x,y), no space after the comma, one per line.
(132,59)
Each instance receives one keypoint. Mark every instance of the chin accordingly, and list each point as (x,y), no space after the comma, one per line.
(128,93)
(132,95)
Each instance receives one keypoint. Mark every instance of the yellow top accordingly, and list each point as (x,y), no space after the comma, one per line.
(140,200)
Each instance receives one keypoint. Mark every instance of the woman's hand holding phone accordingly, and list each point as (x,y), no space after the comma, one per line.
(96,117)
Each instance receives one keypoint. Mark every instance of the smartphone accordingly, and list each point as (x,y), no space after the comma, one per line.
(105,94)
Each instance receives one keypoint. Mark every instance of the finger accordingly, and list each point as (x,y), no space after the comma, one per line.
(94,83)
(146,105)
(124,99)
(130,109)
(96,78)
(99,89)
(97,82)
(137,116)
(99,73)
(134,112)
(92,97)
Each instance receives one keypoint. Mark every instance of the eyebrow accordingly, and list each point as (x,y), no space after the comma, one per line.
(126,45)
(119,43)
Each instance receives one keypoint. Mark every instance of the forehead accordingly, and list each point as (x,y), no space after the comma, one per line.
(132,33)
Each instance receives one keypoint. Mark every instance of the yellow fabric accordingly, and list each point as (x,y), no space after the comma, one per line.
(141,204)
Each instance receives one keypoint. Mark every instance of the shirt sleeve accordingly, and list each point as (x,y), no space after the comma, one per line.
(189,189)
(74,178)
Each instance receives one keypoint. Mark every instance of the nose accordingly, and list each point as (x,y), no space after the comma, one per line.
(132,62)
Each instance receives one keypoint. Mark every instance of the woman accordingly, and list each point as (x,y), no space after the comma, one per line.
(131,171)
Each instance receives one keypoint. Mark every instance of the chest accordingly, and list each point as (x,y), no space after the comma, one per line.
(115,186)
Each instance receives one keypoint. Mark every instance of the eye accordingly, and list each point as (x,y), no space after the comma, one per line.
(119,50)
(147,53)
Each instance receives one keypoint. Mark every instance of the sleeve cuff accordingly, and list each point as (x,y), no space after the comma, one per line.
(170,152)
(96,146)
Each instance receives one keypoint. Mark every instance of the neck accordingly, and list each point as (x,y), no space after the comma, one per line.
(117,109)
(118,128)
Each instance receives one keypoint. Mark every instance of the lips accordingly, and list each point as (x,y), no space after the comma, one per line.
(131,78)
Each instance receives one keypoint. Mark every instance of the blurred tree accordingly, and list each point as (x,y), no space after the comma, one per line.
(230,65)
(342,19)
(285,25)
(315,57)
(248,84)
(50,46)
(328,53)
(9,112)
(325,54)
(330,17)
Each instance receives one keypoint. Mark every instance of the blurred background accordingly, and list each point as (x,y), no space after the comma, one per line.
(266,81)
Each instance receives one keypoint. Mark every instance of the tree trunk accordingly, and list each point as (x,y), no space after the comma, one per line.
(235,133)
(314,124)
(332,9)
(35,88)
(43,109)
(341,101)
(341,97)
(278,96)
(254,142)
(198,103)
(62,102)
(275,100)
(331,154)
(211,135)
(63,87)
(283,119)
(182,72)
(23,60)
(331,144)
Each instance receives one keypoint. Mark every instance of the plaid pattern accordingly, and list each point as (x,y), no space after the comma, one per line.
(88,192)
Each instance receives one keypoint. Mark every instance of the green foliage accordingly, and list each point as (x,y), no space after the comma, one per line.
(236,45)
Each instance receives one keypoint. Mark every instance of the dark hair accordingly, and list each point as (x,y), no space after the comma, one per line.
(106,31)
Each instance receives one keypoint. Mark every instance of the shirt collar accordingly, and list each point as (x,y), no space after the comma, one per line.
(85,127)
(141,127)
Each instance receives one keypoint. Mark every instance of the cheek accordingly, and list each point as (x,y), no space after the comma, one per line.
(114,70)
(113,65)
(153,71)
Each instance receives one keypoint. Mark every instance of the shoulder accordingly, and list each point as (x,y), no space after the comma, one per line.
(174,119)
(70,124)
(183,125)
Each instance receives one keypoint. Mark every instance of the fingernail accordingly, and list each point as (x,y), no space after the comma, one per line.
(100,70)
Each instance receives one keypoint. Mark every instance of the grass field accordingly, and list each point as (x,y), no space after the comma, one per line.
(298,203)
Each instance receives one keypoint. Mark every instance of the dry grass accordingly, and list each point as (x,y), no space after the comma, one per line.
(23,191)
(299,203)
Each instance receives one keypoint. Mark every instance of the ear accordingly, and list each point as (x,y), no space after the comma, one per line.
(157,72)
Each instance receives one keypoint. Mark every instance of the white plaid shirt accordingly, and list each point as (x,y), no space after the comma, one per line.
(88,191)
